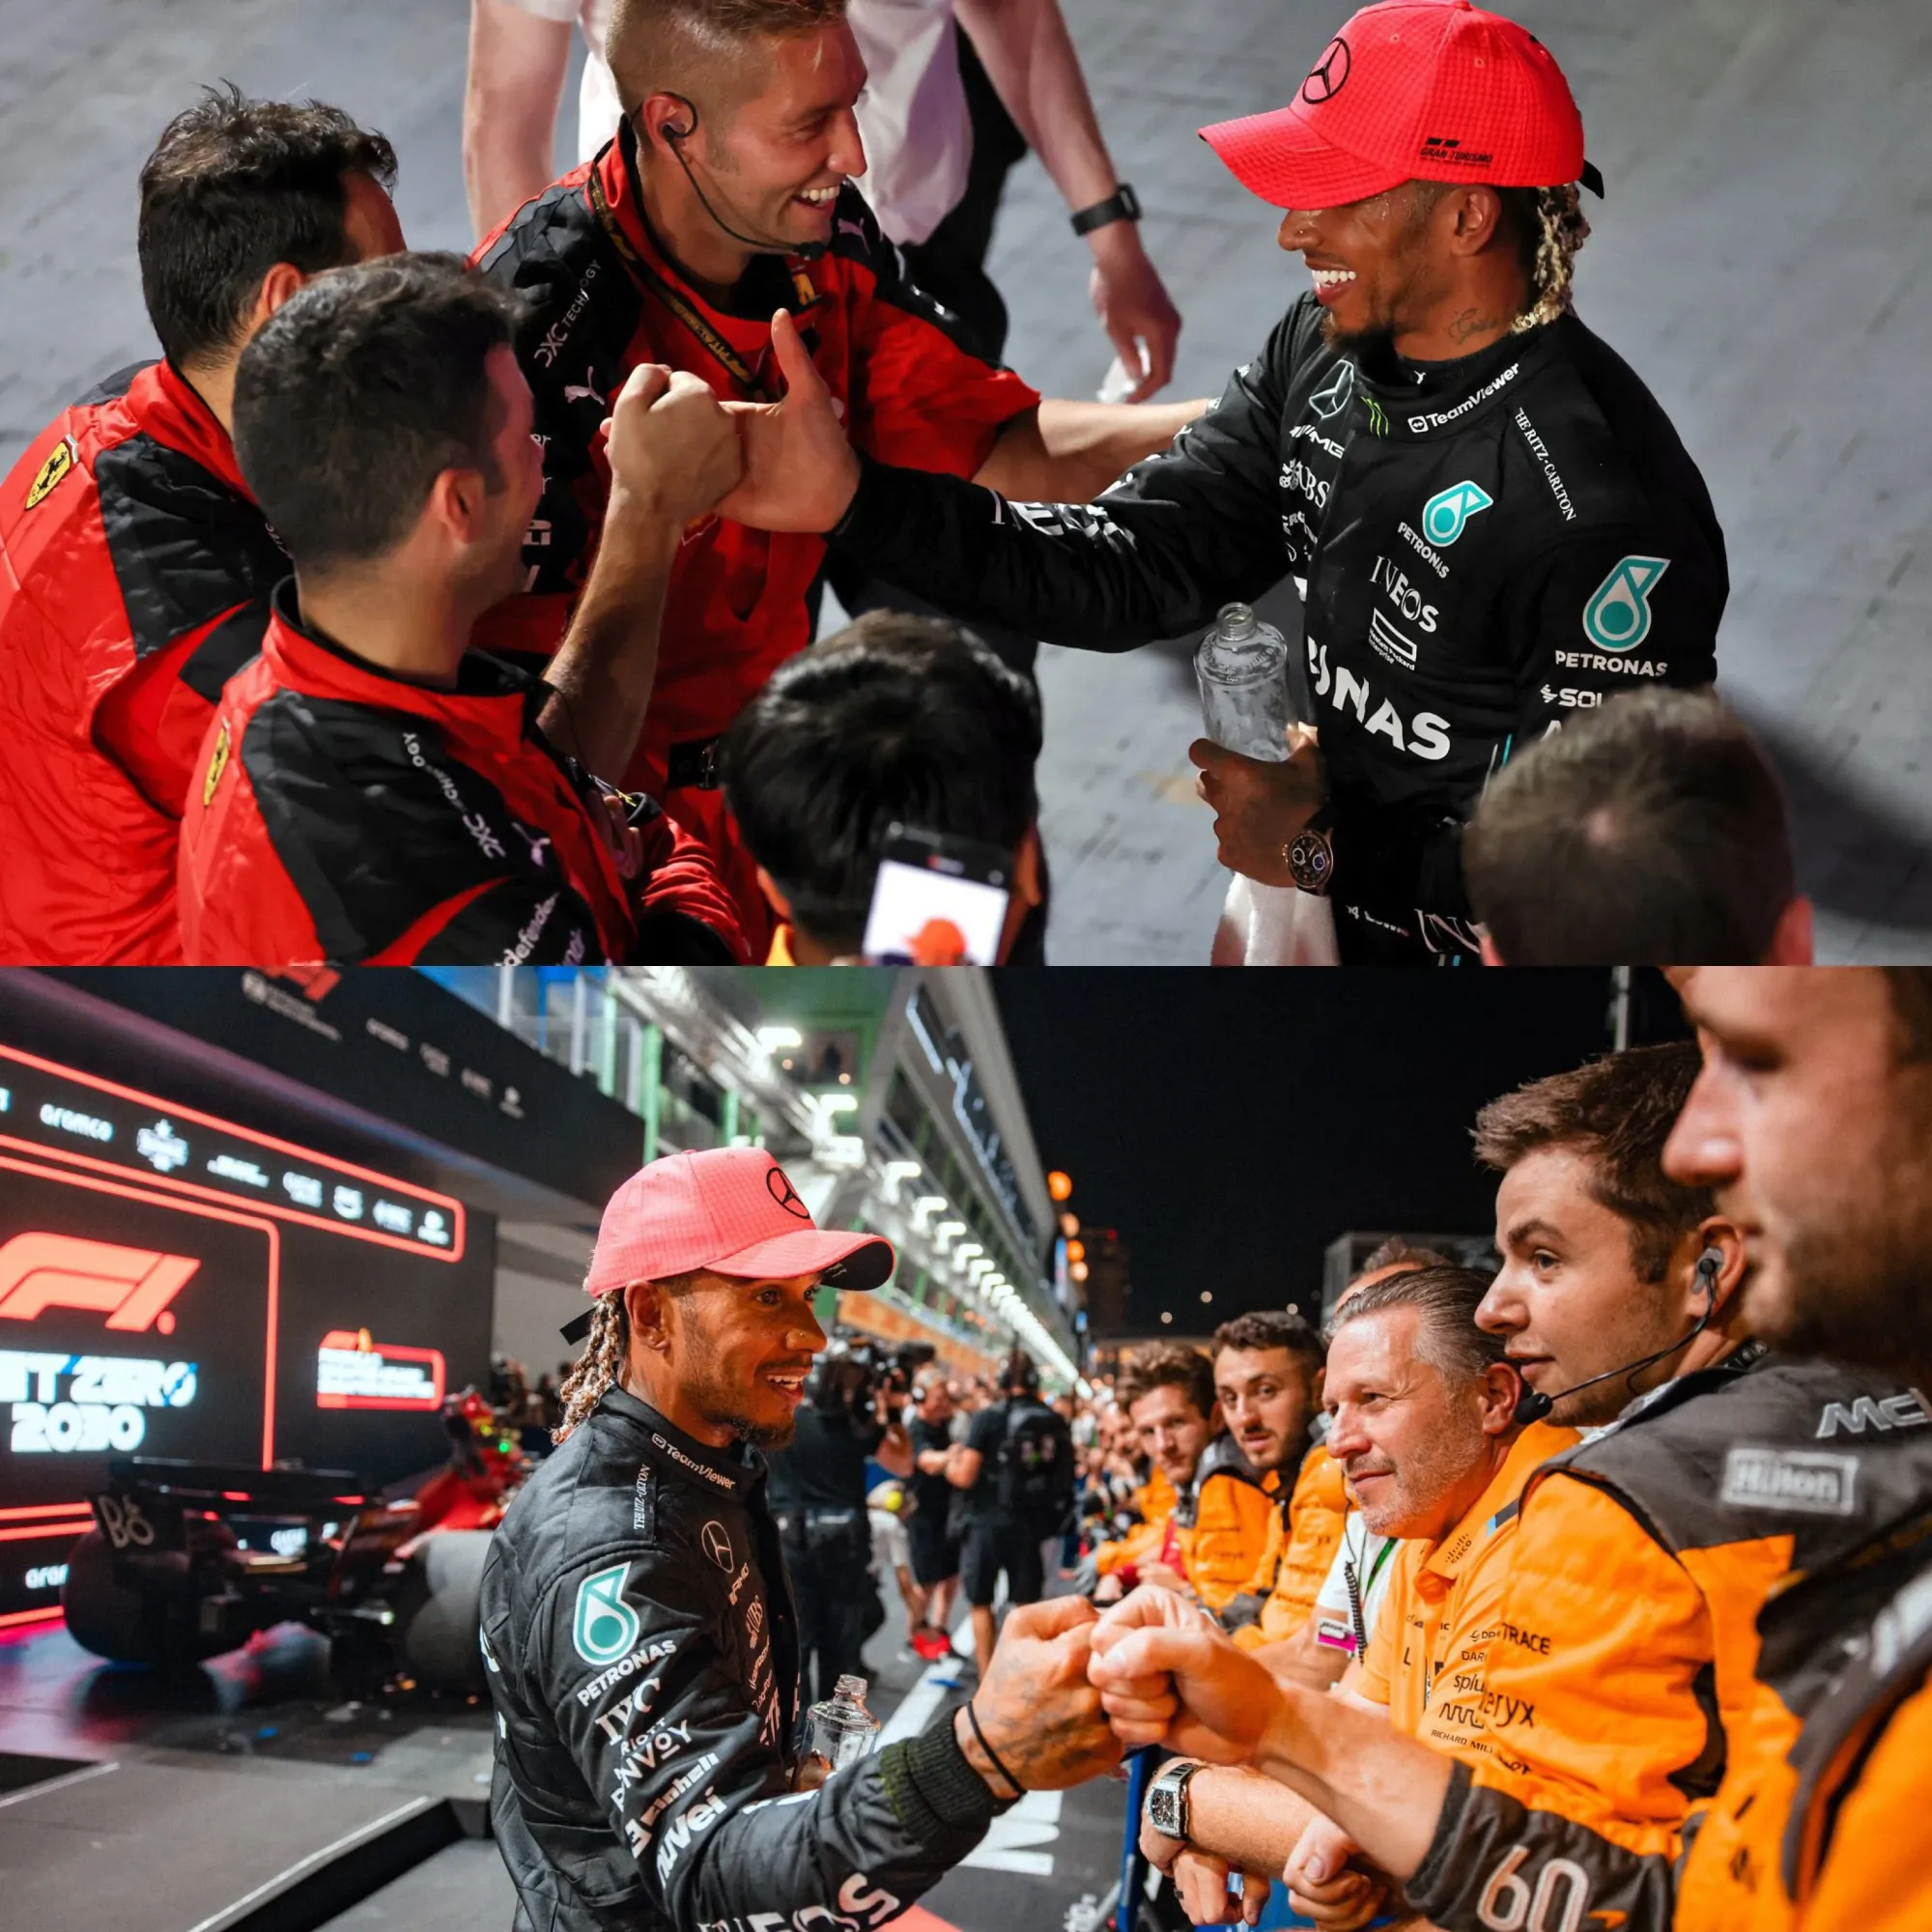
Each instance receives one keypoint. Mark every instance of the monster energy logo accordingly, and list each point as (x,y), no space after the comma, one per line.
(1378,424)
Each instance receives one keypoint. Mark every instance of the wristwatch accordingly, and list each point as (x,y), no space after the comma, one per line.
(1310,856)
(1122,205)
(1167,1799)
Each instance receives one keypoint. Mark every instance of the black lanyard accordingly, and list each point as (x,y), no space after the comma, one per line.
(648,278)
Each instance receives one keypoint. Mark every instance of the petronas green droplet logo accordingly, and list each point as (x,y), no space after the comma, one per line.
(1446,512)
(1617,617)
(605,1626)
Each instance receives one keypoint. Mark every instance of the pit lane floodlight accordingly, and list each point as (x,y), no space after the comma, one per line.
(897,1171)
(945,1232)
(966,1250)
(772,1036)
(924,1207)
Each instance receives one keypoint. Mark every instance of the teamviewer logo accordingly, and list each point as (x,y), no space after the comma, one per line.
(132,1286)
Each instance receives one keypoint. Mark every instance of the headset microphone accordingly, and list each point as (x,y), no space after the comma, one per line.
(1532,1406)
(675,139)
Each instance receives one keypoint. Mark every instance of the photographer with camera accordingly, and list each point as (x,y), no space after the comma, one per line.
(850,1413)
(1017,1468)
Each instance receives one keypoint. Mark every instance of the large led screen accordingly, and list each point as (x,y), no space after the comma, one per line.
(172,1284)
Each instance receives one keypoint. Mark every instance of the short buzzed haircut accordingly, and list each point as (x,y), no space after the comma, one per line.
(1651,831)
(1271,1328)
(1169,1365)
(1616,1112)
(234,187)
(358,392)
(1446,1299)
(669,47)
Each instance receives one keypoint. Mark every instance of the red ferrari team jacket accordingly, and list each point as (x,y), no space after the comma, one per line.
(135,579)
(340,812)
(604,298)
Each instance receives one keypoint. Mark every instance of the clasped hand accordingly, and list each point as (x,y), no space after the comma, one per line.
(1260,807)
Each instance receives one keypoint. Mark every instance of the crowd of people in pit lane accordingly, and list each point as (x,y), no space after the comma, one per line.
(1586,1591)
(413,610)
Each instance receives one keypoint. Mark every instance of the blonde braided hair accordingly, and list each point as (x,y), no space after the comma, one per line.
(1562,228)
(600,1366)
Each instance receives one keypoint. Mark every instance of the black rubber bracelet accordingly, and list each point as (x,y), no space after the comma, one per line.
(973,1718)
(1122,205)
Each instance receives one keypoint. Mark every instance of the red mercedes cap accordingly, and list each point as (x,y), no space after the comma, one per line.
(1429,89)
(729,1210)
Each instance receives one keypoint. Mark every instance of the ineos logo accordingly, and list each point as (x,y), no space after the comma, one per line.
(1324,79)
(717,1545)
(778,1183)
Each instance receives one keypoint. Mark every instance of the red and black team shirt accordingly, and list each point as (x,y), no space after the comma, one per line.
(340,812)
(135,579)
(605,297)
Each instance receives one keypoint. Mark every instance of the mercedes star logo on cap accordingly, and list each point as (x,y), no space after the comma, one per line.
(778,1183)
(1325,77)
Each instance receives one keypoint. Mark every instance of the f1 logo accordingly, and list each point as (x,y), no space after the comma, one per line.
(132,1286)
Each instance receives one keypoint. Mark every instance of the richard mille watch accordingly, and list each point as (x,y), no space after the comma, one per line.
(1167,1800)
(1310,856)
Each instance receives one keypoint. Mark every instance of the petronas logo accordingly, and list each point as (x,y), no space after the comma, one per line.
(1617,619)
(605,1626)
(1446,512)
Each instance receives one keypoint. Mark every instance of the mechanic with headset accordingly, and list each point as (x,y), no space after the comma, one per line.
(640,1640)
(818,1496)
(1619,1676)
(728,198)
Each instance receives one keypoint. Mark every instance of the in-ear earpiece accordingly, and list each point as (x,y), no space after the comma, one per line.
(1709,1262)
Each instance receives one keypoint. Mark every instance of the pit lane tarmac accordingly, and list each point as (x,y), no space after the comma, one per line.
(253,1795)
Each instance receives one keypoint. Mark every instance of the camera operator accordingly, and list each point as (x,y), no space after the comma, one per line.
(818,1496)
(935,1540)
(1017,1468)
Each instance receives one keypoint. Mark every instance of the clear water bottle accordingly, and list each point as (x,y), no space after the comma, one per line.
(839,1730)
(1242,665)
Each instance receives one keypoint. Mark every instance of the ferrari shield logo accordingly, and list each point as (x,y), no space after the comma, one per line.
(53,472)
(216,766)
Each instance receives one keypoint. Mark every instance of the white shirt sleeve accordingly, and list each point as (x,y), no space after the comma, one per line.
(912,116)
(1360,1546)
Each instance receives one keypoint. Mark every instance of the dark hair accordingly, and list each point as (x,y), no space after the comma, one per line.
(1018,1375)
(1649,833)
(234,187)
(1271,1328)
(1618,1112)
(358,392)
(1447,1299)
(1168,1365)
(1911,991)
(1398,1252)
(894,719)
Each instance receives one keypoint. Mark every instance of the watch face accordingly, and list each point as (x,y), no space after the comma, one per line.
(1164,1810)
(1311,859)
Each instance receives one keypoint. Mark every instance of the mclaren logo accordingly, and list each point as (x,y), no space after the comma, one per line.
(132,1286)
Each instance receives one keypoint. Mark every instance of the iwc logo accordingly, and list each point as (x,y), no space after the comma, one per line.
(604,1627)
(1617,617)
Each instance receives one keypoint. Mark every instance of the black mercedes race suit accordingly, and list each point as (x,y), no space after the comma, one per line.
(642,1656)
(1483,548)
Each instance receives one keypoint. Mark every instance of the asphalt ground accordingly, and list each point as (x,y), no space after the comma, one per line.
(1761,260)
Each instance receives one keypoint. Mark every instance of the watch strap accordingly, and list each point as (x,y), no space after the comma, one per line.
(1122,205)
(1310,855)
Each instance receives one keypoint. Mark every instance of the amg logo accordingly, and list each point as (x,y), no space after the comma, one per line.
(1895,1412)
(1806,1480)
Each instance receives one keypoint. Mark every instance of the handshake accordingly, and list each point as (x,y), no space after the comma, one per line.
(1069,1689)
(678,454)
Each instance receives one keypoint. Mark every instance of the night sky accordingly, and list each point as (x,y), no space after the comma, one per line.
(1230,1125)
